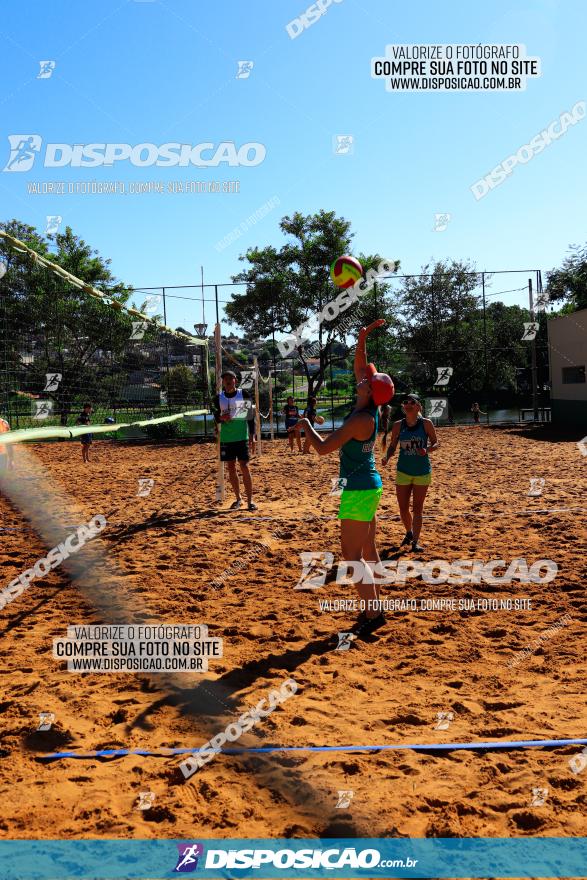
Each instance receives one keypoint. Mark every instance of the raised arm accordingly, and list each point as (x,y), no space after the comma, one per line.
(358,427)
(361,349)
(393,442)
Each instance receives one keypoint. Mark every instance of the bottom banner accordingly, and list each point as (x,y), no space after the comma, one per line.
(265,858)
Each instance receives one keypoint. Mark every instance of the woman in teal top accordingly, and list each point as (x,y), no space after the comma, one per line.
(358,471)
(417,439)
(360,482)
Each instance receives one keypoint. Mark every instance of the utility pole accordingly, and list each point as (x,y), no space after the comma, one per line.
(486,381)
(218,359)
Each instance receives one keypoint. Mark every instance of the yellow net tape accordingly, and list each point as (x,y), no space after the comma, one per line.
(66,433)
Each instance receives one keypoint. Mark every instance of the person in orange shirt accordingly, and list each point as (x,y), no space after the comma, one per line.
(6,450)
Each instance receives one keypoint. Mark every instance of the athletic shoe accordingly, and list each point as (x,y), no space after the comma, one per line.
(235,504)
(252,505)
(366,625)
(416,548)
(409,537)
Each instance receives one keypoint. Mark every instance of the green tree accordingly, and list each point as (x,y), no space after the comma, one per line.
(508,354)
(286,287)
(180,384)
(569,283)
(50,326)
(440,324)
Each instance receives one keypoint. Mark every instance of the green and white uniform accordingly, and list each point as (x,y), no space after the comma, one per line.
(234,433)
(237,407)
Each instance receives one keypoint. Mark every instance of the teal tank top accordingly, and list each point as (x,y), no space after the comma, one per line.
(410,440)
(357,460)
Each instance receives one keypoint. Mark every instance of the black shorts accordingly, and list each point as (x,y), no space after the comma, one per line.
(231,451)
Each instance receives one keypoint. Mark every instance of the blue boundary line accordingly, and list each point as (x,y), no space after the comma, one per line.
(446,747)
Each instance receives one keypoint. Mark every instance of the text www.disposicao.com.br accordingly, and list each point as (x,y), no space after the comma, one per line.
(138,664)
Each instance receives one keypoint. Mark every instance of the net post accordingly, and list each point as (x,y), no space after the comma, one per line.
(533,354)
(271,406)
(257,412)
(218,356)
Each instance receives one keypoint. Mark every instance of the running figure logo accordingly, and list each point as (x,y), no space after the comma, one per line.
(23,151)
(47,68)
(145,486)
(46,719)
(242,409)
(247,379)
(530,331)
(152,303)
(43,409)
(53,223)
(138,329)
(52,381)
(441,221)
(338,484)
(189,853)
(539,796)
(146,799)
(578,762)
(443,375)
(343,144)
(437,408)
(443,720)
(344,641)
(315,568)
(542,301)
(536,486)
(244,69)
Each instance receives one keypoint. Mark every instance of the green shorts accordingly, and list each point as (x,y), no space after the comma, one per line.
(402,479)
(359,504)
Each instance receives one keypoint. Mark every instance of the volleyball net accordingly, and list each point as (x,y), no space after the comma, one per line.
(64,343)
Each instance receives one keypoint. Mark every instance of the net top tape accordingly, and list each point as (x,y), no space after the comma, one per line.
(66,433)
(39,259)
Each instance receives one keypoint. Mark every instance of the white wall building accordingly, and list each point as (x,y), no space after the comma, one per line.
(567,345)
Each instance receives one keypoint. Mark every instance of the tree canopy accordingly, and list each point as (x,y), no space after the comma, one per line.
(287,287)
(48,326)
(569,283)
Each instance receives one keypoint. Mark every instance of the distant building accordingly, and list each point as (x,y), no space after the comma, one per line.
(231,343)
(140,394)
(313,365)
(567,345)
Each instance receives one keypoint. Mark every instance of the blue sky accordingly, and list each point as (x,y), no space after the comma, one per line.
(165,71)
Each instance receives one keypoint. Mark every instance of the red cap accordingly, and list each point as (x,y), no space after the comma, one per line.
(382,387)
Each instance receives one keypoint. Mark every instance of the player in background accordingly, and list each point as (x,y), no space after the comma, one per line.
(6,449)
(231,408)
(417,438)
(85,418)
